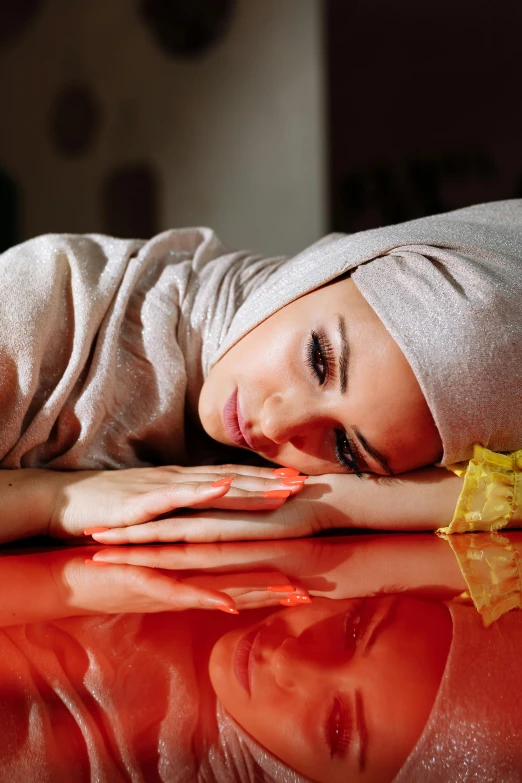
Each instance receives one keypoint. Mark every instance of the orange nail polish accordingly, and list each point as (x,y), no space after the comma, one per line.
(294,481)
(223,482)
(97,563)
(285,472)
(277,493)
(90,530)
(295,600)
(281,588)
(226,608)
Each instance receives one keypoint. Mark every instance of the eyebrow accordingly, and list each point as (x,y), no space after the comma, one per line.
(376,455)
(362,730)
(344,355)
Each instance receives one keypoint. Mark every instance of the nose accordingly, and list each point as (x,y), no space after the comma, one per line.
(284,418)
(293,665)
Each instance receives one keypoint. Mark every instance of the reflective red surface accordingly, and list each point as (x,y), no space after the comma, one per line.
(115,664)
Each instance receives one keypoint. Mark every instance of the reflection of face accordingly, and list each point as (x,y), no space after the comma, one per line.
(322,386)
(337,690)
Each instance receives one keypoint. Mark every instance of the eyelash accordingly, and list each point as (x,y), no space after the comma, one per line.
(338,729)
(319,345)
(342,441)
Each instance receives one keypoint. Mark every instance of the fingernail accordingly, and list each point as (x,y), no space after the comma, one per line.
(286,472)
(281,588)
(294,481)
(90,530)
(223,482)
(97,562)
(295,600)
(277,493)
(226,608)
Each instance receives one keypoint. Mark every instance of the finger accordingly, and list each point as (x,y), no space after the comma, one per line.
(162,591)
(239,583)
(242,470)
(206,527)
(239,500)
(263,484)
(171,497)
(232,556)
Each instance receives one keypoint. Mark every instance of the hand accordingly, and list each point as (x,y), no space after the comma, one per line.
(120,498)
(306,513)
(101,587)
(423,499)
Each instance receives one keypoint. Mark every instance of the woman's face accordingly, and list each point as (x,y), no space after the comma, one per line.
(337,690)
(322,386)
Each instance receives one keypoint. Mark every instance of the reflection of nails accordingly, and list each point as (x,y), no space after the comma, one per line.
(90,530)
(226,608)
(286,472)
(97,562)
(295,600)
(223,482)
(281,588)
(294,481)
(277,493)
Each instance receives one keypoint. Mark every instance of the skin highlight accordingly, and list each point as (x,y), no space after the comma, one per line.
(324,388)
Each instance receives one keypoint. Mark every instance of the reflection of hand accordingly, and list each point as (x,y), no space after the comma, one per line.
(62,583)
(112,588)
(121,498)
(336,567)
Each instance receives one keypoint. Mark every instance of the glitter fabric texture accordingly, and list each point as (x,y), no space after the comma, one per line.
(102,343)
(474,730)
(105,342)
(449,290)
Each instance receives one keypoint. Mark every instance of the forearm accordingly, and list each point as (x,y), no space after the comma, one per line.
(418,500)
(27,502)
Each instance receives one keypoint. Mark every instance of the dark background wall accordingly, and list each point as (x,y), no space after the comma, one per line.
(271,120)
(425,109)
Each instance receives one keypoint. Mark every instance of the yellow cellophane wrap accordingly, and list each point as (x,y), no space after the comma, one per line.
(491,567)
(491,497)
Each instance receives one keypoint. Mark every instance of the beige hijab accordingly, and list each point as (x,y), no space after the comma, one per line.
(102,344)
(474,732)
(105,342)
(449,290)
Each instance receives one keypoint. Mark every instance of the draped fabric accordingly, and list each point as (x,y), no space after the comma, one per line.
(102,343)
(474,731)
(105,342)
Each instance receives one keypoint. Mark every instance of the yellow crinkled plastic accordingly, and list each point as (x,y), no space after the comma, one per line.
(491,497)
(491,567)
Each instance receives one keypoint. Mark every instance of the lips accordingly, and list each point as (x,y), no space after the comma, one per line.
(234,422)
(244,658)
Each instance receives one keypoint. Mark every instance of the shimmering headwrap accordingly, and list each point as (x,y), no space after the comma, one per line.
(102,342)
(449,290)
(236,757)
(474,731)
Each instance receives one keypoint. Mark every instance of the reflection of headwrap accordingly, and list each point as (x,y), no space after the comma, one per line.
(449,290)
(474,731)
(236,757)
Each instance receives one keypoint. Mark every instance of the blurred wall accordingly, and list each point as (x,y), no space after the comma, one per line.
(424,107)
(234,138)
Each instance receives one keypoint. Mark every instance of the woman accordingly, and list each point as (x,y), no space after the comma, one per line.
(119,354)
